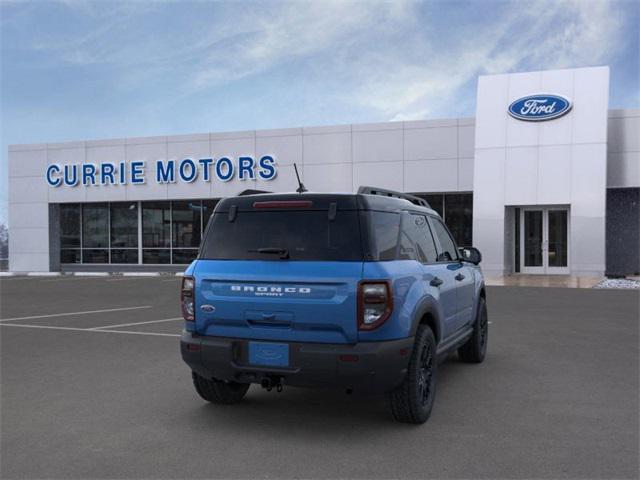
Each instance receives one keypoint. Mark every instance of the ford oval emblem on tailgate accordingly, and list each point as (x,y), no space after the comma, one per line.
(208,308)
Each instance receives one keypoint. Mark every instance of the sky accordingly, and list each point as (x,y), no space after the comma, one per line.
(76,70)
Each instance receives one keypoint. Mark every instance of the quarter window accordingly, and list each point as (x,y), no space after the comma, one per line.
(416,228)
(448,251)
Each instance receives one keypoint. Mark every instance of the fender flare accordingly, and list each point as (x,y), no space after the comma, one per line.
(428,306)
(481,292)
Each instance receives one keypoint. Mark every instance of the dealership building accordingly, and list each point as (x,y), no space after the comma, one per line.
(545,179)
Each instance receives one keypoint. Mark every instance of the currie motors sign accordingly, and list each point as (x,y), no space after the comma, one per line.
(540,107)
(187,170)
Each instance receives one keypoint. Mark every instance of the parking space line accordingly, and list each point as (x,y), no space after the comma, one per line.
(137,323)
(68,278)
(75,313)
(49,327)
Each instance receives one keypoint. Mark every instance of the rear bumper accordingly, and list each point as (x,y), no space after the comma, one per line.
(369,366)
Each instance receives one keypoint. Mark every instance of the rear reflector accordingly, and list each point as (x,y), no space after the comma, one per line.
(192,347)
(349,358)
(284,204)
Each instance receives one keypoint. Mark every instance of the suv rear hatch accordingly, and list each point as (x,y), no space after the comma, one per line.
(281,268)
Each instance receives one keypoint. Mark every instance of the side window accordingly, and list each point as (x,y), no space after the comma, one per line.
(385,227)
(415,231)
(448,247)
(407,250)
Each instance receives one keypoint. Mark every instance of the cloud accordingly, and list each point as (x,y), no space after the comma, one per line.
(527,36)
(393,58)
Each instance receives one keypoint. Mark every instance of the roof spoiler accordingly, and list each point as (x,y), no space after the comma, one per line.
(392,193)
(251,192)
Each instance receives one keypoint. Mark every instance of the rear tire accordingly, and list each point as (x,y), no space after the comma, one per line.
(475,349)
(412,401)
(219,392)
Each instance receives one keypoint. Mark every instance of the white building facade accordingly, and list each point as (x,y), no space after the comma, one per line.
(545,179)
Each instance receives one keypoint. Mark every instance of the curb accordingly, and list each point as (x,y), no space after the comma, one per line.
(91,274)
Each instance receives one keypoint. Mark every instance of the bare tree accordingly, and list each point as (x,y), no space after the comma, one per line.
(4,241)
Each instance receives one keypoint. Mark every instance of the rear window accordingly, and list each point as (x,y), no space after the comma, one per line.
(304,235)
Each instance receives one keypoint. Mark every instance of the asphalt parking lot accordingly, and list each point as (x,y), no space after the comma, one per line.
(93,386)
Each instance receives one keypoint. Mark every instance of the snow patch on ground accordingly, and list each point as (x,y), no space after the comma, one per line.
(618,283)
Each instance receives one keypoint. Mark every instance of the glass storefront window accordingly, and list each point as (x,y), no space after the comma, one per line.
(127,255)
(458,215)
(208,206)
(186,218)
(156,224)
(108,232)
(124,225)
(184,255)
(156,256)
(456,209)
(69,226)
(95,255)
(436,200)
(68,255)
(95,225)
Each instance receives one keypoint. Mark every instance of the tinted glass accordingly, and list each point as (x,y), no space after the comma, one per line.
(407,250)
(186,223)
(305,235)
(156,224)
(69,226)
(184,255)
(95,256)
(558,238)
(436,201)
(124,225)
(207,209)
(418,230)
(384,232)
(95,225)
(124,255)
(156,256)
(447,245)
(459,217)
(533,237)
(70,256)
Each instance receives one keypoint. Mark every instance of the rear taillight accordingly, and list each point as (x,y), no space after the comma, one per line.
(375,303)
(186,298)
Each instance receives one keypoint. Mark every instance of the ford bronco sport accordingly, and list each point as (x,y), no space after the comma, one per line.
(363,291)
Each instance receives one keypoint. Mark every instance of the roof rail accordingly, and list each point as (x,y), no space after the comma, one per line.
(392,193)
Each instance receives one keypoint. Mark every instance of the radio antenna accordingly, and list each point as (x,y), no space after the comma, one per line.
(301,188)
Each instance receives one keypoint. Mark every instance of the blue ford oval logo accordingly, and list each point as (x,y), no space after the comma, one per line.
(536,108)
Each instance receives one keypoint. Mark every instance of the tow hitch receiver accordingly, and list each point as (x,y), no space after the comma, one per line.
(269,383)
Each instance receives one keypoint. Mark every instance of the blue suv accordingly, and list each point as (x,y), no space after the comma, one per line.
(364,291)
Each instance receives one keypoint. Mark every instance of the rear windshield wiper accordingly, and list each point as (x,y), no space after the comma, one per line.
(283,252)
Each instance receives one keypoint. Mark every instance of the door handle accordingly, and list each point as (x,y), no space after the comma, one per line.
(459,277)
(436,282)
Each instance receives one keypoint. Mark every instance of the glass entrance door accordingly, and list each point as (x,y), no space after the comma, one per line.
(544,241)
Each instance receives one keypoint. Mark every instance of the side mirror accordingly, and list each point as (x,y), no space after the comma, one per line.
(471,255)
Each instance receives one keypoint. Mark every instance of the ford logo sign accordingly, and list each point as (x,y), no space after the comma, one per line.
(536,108)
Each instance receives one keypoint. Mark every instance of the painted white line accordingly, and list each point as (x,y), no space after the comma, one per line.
(72,278)
(48,327)
(74,313)
(43,274)
(91,274)
(120,279)
(7,274)
(140,274)
(137,323)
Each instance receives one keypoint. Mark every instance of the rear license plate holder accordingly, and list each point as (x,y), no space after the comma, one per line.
(267,354)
